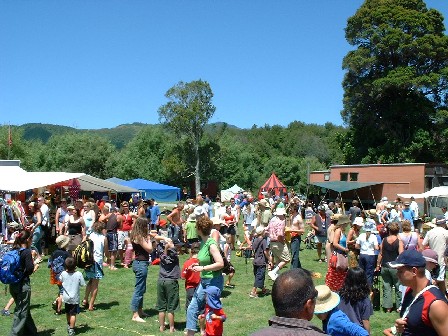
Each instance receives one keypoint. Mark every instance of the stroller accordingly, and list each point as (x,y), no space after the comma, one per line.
(309,240)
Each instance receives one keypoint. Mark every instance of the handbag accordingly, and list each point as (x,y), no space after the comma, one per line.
(341,262)
(376,293)
(333,260)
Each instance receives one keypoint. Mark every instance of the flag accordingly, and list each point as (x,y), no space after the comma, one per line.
(9,137)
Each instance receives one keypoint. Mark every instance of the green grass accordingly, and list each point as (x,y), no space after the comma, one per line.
(113,317)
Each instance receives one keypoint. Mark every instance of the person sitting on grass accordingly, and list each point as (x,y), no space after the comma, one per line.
(167,284)
(334,321)
(214,315)
(72,281)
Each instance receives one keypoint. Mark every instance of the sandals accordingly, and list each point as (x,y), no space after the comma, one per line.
(85,304)
(229,286)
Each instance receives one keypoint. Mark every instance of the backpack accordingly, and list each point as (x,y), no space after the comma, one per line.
(10,271)
(83,254)
(58,266)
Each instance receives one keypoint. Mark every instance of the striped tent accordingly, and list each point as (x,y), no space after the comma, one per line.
(273,184)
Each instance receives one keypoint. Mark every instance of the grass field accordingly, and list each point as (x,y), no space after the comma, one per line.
(112,316)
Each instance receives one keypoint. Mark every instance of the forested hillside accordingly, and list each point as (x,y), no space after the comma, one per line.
(228,154)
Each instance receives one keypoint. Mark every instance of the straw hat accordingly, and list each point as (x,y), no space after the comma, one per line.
(62,241)
(280,212)
(259,230)
(358,221)
(264,203)
(343,219)
(217,221)
(326,299)
(191,217)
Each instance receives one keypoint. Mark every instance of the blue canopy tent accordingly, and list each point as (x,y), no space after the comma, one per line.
(160,192)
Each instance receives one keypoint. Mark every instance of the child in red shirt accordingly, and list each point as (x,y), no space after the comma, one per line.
(192,279)
(214,315)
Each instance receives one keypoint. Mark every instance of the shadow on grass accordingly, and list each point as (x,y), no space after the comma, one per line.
(106,305)
(151,312)
(83,328)
(48,332)
(37,306)
(225,293)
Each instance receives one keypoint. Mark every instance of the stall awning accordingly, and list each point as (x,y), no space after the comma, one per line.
(341,186)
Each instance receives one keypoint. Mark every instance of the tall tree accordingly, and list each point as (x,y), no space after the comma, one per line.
(187,112)
(396,81)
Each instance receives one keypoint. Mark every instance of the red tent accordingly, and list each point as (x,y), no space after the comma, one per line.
(273,184)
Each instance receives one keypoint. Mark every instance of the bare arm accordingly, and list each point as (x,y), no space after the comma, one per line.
(337,237)
(366,324)
(400,246)
(147,246)
(437,314)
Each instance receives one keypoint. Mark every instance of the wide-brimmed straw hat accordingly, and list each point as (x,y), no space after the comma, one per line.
(191,217)
(217,221)
(326,299)
(62,241)
(343,219)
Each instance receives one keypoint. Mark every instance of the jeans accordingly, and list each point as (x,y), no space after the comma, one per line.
(140,269)
(295,250)
(390,279)
(198,302)
(37,239)
(23,323)
(367,263)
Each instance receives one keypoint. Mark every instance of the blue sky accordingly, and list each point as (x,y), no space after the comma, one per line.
(99,64)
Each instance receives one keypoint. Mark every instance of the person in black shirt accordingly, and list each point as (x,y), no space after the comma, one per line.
(23,323)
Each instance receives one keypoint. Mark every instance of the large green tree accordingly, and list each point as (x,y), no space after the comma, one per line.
(188,110)
(395,83)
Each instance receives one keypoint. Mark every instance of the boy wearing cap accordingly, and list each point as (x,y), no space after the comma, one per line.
(424,307)
(334,321)
(56,263)
(214,315)
(437,239)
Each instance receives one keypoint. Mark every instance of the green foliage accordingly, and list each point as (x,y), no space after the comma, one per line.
(395,81)
(75,152)
(187,112)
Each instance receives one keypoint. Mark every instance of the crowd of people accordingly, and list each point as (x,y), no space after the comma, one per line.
(357,246)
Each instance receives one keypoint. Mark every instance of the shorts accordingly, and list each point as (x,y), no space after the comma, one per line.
(260,274)
(94,272)
(231,230)
(280,251)
(441,276)
(320,239)
(167,295)
(122,235)
(72,309)
(112,241)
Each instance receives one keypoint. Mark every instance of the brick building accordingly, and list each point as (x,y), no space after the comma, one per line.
(370,182)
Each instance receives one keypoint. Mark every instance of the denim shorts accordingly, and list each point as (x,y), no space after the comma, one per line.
(112,241)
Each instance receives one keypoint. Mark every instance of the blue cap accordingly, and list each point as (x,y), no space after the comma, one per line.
(213,295)
(411,258)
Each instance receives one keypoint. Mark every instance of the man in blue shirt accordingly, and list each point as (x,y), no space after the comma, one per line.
(154,214)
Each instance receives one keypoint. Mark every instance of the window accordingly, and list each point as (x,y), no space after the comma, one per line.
(353,176)
(344,176)
(327,177)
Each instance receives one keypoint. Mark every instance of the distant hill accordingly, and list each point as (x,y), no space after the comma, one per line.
(119,136)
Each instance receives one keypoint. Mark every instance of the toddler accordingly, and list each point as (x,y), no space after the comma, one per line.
(72,281)
(214,315)
(56,263)
(192,279)
(129,253)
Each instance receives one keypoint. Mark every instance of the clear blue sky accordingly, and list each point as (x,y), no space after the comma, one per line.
(97,64)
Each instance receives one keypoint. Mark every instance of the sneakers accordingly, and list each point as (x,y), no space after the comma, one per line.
(272,275)
(5,312)
(252,295)
(71,332)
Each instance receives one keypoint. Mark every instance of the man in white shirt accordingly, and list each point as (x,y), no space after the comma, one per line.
(414,207)
(45,210)
(437,239)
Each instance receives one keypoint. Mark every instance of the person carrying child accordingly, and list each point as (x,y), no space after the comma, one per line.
(56,263)
(214,315)
(192,279)
(167,284)
(72,281)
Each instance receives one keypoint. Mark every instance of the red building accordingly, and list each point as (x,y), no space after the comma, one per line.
(370,182)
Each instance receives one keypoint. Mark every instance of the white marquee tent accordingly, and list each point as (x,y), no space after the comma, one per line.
(227,194)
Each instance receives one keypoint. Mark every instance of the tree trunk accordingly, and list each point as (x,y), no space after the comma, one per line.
(197,177)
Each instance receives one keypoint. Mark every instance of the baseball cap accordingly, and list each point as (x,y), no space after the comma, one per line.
(430,255)
(213,295)
(411,258)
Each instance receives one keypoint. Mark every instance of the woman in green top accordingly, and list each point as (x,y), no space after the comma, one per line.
(210,265)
